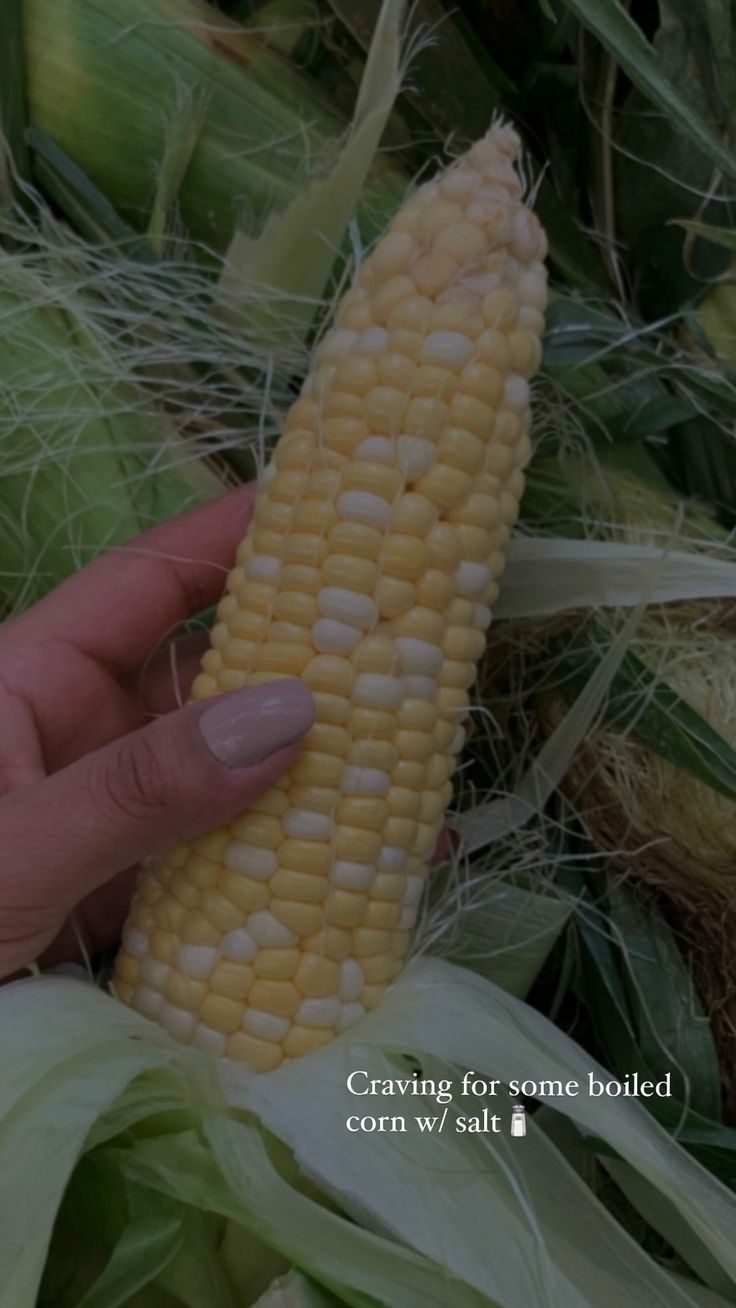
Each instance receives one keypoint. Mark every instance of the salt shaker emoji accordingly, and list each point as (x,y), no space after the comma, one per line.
(518,1120)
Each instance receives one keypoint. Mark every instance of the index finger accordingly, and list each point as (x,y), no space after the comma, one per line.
(119,607)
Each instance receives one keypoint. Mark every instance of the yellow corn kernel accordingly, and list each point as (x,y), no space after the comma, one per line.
(260,1055)
(276,964)
(317,977)
(233,980)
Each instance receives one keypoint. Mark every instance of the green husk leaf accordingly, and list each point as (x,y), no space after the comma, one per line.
(282,23)
(548,575)
(609,21)
(183,136)
(507,933)
(497,818)
(146,1246)
(438,1013)
(527,1199)
(673,1033)
(722,236)
(642,703)
(456,84)
(86,206)
(296,1291)
(12,101)
(81,468)
(51,1095)
(105,86)
(78,1059)
(233,1175)
(295,253)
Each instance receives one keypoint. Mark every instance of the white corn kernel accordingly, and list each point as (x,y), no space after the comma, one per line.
(458,741)
(351,980)
(392,859)
(352,876)
(378,690)
(268,932)
(377,449)
(153,972)
(239,946)
(420,687)
(365,781)
(453,349)
(347,606)
(349,1015)
(415,455)
(196,961)
(482,617)
(148,1002)
(319,1012)
(419,656)
(372,341)
(333,637)
(516,394)
(364,506)
(250,859)
(337,344)
(208,1040)
(265,1026)
(472,579)
(135,941)
(178,1022)
(413,892)
(305,824)
(263,567)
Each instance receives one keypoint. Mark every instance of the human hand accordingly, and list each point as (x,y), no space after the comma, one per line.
(99,768)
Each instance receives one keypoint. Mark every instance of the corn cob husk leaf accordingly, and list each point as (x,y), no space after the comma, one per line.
(75,449)
(159,1116)
(104,83)
(294,254)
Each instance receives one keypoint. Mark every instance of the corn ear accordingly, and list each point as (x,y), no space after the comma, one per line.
(376,550)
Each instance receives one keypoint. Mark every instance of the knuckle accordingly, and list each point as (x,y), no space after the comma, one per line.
(137,782)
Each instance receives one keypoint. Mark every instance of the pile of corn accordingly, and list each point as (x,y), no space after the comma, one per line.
(375,554)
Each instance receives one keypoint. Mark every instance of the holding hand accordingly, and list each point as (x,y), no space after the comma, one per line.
(99,768)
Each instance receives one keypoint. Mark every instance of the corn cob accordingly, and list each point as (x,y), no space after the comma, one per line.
(376,550)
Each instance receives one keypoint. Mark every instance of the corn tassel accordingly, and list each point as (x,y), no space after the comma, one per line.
(375,553)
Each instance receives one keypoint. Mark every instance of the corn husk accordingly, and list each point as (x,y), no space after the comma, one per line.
(169,1159)
(672,829)
(84,463)
(105,81)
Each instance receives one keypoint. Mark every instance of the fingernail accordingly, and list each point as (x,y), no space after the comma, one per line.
(248,725)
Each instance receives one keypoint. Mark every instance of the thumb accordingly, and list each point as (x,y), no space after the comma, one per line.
(180,776)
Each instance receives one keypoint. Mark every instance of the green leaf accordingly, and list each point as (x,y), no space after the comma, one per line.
(296,1291)
(234,1176)
(506,933)
(183,133)
(146,1246)
(652,712)
(455,84)
(294,255)
(85,205)
(440,1014)
(12,100)
(611,24)
(673,1034)
(723,236)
